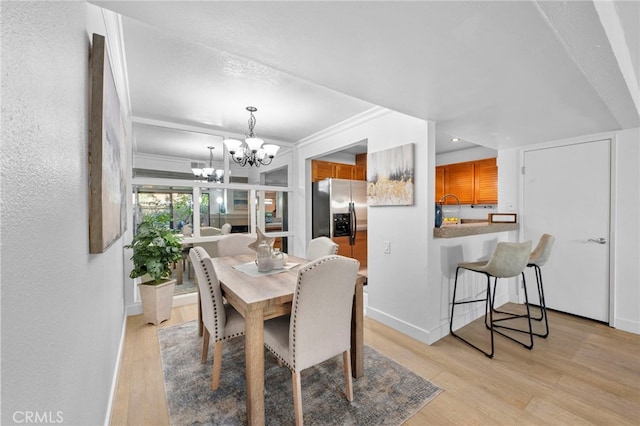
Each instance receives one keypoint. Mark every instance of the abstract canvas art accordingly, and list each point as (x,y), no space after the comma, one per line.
(106,138)
(390,177)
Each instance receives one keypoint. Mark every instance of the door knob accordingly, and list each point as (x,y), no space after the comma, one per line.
(598,240)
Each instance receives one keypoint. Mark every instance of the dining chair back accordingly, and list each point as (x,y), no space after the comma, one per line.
(221,321)
(321,246)
(208,231)
(226,229)
(195,256)
(233,245)
(319,327)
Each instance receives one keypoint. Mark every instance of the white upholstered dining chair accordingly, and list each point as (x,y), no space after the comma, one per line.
(319,327)
(221,321)
(196,254)
(226,229)
(209,246)
(321,246)
(233,245)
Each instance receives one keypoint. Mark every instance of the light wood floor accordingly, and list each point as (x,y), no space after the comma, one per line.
(584,373)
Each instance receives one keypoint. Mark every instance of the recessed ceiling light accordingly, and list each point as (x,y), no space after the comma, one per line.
(455,139)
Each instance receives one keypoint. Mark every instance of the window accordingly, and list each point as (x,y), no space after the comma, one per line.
(171,205)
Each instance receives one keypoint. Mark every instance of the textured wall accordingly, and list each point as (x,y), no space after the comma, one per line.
(62,309)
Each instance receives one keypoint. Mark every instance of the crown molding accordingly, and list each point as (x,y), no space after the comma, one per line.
(354,121)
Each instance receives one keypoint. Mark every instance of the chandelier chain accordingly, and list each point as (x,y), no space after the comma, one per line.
(251,122)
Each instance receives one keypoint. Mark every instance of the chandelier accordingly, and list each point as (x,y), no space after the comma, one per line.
(208,173)
(251,151)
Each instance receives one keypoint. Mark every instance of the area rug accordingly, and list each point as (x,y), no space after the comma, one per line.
(387,394)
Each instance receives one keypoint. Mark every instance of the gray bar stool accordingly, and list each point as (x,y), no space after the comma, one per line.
(538,258)
(508,260)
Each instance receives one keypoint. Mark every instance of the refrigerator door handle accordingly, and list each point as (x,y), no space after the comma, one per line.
(352,237)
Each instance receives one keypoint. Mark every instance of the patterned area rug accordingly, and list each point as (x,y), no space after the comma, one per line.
(387,394)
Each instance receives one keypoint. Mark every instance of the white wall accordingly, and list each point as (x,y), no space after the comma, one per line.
(62,308)
(464,155)
(339,157)
(397,288)
(627,231)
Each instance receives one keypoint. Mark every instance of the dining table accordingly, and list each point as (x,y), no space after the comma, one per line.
(262,296)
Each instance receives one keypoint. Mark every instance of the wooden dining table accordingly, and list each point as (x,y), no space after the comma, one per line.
(259,298)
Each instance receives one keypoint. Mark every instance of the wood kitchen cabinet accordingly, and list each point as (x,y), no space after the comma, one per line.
(326,169)
(459,180)
(343,171)
(321,170)
(360,169)
(440,182)
(486,182)
(473,182)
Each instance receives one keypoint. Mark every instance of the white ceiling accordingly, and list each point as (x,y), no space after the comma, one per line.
(498,74)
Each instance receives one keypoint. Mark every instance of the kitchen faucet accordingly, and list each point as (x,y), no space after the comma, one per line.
(458,220)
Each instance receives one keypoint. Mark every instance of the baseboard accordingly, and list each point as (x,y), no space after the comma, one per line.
(185,299)
(400,325)
(178,300)
(116,371)
(627,325)
(431,336)
(135,309)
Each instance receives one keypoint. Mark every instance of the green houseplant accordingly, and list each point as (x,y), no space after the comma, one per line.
(155,247)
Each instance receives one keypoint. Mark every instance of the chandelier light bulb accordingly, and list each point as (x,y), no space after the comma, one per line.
(254,144)
(232,145)
(271,150)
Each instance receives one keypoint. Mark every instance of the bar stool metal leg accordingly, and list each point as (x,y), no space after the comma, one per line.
(543,303)
(488,310)
(538,257)
(512,317)
(543,306)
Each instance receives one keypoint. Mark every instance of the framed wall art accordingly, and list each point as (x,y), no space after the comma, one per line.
(390,177)
(106,140)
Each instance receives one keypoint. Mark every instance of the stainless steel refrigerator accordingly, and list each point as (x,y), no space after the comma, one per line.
(340,213)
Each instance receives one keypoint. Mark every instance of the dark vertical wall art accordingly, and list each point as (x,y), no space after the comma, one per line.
(106,139)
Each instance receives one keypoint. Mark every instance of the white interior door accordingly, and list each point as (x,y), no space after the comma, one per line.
(567,194)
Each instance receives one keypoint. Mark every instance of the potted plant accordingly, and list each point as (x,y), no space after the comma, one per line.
(155,247)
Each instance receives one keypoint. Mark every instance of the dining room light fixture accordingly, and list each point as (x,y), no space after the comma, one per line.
(208,173)
(251,151)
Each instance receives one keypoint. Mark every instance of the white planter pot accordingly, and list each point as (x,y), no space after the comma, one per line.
(157,301)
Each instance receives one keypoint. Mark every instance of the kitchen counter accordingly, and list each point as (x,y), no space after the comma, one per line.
(472,228)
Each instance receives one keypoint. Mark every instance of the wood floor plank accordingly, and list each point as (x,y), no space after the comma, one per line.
(584,373)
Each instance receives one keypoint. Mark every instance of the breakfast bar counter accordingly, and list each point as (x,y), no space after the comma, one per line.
(472,228)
